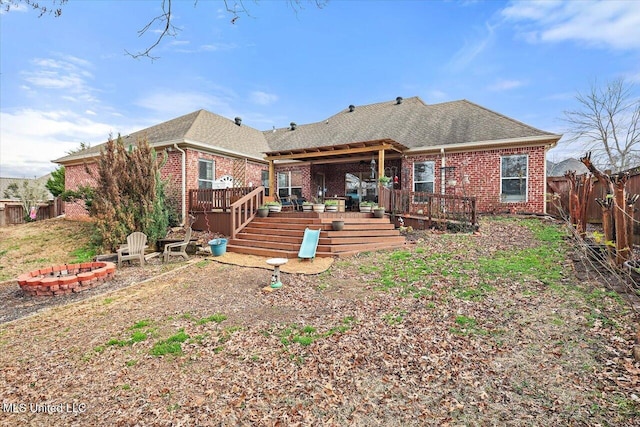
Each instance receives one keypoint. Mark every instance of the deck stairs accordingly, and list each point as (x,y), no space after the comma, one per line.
(280,234)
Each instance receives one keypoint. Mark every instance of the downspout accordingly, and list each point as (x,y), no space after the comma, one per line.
(443,188)
(184,183)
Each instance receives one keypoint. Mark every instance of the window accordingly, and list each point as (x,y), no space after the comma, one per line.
(513,178)
(289,183)
(423,177)
(206,172)
(264,177)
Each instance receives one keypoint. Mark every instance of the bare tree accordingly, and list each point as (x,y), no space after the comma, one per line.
(161,24)
(54,9)
(608,122)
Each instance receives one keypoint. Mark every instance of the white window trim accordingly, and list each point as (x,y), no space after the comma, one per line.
(526,187)
(433,181)
(289,187)
(213,172)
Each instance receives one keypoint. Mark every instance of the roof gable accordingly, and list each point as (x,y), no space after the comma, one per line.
(411,123)
(201,127)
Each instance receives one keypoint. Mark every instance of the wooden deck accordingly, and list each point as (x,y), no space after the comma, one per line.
(280,234)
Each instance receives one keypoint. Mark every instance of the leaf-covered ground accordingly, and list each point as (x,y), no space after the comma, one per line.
(489,329)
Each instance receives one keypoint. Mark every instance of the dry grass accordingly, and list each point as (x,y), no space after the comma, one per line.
(39,244)
(442,333)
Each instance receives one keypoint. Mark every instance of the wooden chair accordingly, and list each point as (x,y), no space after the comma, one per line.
(134,249)
(180,246)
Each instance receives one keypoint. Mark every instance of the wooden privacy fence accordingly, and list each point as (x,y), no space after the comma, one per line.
(13,212)
(558,198)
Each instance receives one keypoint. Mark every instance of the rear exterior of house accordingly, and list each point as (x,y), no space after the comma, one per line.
(456,148)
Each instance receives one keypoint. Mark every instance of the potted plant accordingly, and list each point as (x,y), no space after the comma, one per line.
(384,180)
(366,206)
(378,212)
(337,224)
(263,211)
(274,206)
(331,205)
(307,206)
(318,206)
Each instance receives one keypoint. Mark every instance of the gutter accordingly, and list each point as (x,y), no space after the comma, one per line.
(443,188)
(184,183)
(549,140)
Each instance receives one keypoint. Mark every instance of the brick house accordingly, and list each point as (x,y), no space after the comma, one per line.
(454,147)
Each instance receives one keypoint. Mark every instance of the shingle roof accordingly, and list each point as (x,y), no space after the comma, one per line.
(559,169)
(411,123)
(200,126)
(40,182)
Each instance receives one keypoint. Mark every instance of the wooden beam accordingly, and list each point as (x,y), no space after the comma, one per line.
(340,152)
(380,164)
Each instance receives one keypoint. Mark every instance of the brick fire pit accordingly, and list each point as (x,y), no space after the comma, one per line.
(66,278)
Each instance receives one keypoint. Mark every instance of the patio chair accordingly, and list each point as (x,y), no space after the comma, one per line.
(134,249)
(178,248)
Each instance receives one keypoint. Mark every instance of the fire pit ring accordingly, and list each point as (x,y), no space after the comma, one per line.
(66,278)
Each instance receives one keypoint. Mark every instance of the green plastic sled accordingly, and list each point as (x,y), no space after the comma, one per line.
(309,244)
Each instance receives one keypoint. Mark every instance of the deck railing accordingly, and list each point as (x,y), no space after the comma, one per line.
(208,199)
(433,207)
(244,209)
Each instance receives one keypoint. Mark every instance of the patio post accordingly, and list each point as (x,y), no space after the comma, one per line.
(272,178)
(380,163)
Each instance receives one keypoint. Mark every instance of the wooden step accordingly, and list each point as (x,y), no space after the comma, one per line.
(280,235)
(353,240)
(270,237)
(286,226)
(265,244)
(357,247)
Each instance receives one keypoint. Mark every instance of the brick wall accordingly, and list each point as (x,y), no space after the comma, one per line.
(75,175)
(478,174)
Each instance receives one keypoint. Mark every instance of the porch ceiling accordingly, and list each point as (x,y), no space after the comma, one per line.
(341,151)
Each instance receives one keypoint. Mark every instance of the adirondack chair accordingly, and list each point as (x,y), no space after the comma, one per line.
(134,249)
(180,246)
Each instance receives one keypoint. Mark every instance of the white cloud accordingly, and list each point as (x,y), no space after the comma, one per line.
(169,104)
(506,85)
(263,98)
(66,73)
(472,49)
(32,138)
(612,23)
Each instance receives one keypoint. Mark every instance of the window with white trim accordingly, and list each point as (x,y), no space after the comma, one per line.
(290,183)
(423,178)
(264,177)
(513,178)
(206,173)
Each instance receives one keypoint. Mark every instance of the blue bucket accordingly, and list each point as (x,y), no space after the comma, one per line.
(218,246)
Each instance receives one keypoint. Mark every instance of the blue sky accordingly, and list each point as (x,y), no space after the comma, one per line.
(67,80)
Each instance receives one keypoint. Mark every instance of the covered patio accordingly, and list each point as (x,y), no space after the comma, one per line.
(347,171)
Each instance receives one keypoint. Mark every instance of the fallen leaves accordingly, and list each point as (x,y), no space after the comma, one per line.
(528,354)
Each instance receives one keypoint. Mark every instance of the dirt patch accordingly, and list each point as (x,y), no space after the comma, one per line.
(293,265)
(451,346)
